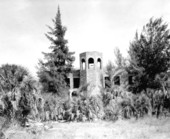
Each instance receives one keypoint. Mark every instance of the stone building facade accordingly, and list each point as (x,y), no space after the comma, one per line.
(90,72)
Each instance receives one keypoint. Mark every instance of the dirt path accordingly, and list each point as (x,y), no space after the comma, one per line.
(148,128)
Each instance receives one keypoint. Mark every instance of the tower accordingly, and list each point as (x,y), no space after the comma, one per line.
(91,69)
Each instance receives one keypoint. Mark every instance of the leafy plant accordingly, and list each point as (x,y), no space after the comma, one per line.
(18,92)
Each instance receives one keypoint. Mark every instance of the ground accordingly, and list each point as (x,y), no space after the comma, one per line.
(146,128)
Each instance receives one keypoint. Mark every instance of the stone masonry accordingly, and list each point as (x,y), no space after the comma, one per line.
(91,71)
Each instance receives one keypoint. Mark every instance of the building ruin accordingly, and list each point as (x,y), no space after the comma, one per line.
(91,72)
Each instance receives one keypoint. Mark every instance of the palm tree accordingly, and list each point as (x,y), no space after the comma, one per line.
(16,85)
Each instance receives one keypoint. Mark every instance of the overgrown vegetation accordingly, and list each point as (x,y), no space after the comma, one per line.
(19,93)
(123,104)
(23,98)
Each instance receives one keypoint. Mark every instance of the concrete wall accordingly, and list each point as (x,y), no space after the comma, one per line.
(88,74)
(92,75)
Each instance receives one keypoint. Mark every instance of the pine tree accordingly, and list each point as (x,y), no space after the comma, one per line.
(150,55)
(58,63)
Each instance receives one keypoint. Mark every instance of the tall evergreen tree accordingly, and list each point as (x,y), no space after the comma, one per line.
(150,55)
(58,63)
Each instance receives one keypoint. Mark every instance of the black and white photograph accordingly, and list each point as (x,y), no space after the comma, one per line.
(85,69)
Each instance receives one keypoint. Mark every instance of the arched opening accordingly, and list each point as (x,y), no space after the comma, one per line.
(117,80)
(91,63)
(83,63)
(99,64)
(74,94)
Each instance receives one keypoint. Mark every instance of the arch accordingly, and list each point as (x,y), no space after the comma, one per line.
(74,94)
(83,64)
(99,63)
(91,63)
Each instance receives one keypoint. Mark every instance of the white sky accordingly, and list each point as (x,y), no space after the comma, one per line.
(93,25)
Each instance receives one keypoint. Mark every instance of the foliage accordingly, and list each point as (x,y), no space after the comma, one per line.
(18,92)
(81,107)
(52,106)
(58,63)
(122,104)
(150,55)
(11,77)
(110,68)
(119,69)
(120,61)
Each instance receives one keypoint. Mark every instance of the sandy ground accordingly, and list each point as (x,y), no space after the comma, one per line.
(147,128)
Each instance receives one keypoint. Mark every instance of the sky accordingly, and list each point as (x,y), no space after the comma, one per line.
(92,25)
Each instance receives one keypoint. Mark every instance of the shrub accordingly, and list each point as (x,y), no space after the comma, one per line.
(19,93)
(80,107)
(122,104)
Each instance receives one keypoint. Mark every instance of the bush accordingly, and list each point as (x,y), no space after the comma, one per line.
(123,104)
(19,94)
(80,107)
